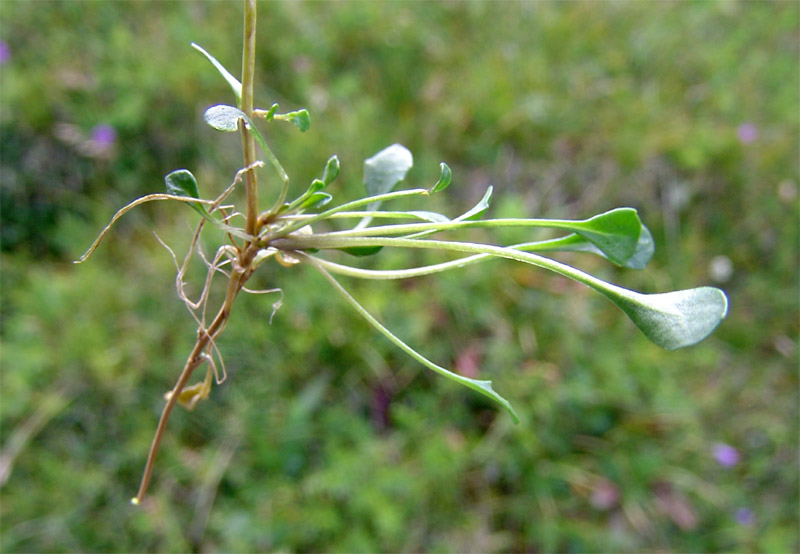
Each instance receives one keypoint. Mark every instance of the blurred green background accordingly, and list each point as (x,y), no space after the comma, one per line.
(325,437)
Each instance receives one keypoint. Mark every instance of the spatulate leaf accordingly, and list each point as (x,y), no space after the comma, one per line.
(385,169)
(675,319)
(224,118)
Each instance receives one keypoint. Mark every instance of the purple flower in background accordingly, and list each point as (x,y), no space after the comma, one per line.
(747,133)
(104,136)
(745,516)
(726,455)
(5,52)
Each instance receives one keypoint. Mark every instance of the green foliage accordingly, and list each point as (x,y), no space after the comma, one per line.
(234,83)
(445,177)
(181,182)
(384,170)
(299,119)
(315,443)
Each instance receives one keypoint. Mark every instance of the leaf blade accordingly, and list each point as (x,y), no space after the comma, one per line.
(223,117)
(645,248)
(384,170)
(300,119)
(234,83)
(181,182)
(675,319)
(482,386)
(615,232)
(445,178)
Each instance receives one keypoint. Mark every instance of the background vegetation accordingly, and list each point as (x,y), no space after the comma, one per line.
(325,438)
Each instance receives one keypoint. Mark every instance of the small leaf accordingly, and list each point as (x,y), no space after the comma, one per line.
(331,170)
(361,251)
(190,396)
(674,319)
(473,213)
(232,81)
(478,209)
(445,176)
(181,182)
(315,200)
(271,112)
(301,201)
(300,119)
(224,118)
(315,186)
(385,169)
(382,172)
(433,217)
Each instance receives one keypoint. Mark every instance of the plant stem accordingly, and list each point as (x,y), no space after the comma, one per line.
(317,241)
(344,207)
(385,274)
(243,266)
(204,337)
(248,142)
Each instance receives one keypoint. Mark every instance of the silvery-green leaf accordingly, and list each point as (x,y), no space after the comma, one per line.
(224,118)
(385,169)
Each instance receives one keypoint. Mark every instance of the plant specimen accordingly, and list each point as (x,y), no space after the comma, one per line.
(288,232)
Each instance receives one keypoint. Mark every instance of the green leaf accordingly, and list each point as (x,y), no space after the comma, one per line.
(300,119)
(673,319)
(445,177)
(361,251)
(181,182)
(478,209)
(645,248)
(615,232)
(315,200)
(483,387)
(331,170)
(301,201)
(382,172)
(271,112)
(385,169)
(232,81)
(473,213)
(224,118)
(315,186)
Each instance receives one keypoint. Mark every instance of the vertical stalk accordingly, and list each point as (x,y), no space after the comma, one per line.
(243,266)
(248,142)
